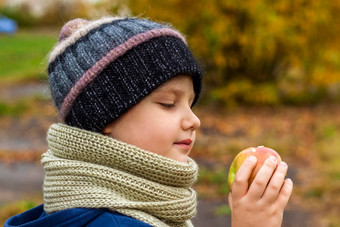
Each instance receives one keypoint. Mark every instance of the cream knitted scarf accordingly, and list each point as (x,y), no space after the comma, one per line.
(87,169)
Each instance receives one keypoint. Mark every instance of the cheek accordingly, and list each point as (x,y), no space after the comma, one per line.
(156,136)
(158,130)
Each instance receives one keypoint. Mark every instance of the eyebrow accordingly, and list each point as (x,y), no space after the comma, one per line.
(173,90)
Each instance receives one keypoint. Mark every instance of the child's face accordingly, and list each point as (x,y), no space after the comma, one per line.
(162,122)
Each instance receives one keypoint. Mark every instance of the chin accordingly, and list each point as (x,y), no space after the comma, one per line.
(179,155)
(183,159)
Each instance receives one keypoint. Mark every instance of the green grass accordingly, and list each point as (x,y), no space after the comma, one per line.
(223,210)
(14,110)
(8,210)
(23,55)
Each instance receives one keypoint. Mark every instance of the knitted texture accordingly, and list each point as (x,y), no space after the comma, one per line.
(100,69)
(87,169)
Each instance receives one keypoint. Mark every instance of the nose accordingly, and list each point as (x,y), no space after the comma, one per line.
(191,121)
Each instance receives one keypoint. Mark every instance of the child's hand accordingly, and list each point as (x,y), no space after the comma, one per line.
(264,202)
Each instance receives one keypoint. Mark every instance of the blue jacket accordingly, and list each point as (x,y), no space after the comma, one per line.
(72,217)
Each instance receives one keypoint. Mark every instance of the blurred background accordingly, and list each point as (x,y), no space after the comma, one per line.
(272,77)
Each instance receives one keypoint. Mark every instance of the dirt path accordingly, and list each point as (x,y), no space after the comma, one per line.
(20,180)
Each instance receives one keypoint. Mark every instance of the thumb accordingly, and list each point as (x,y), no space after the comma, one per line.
(230,201)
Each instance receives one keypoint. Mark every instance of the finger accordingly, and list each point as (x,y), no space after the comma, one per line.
(240,184)
(262,178)
(230,201)
(276,183)
(285,193)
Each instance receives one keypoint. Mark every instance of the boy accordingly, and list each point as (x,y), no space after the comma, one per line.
(124,88)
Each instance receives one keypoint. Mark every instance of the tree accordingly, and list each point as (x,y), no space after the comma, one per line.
(286,43)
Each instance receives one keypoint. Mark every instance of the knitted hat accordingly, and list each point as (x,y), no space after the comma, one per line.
(100,69)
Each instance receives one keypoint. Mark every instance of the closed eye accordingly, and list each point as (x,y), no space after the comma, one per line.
(168,105)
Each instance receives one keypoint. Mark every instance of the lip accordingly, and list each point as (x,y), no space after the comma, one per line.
(184,144)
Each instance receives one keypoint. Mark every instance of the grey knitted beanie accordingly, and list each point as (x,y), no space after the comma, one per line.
(100,69)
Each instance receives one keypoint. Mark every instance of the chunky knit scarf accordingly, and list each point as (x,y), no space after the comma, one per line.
(87,169)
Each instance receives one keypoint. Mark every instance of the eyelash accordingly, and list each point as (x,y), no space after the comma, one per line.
(168,105)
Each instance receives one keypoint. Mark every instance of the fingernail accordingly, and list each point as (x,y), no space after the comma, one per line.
(272,158)
(283,164)
(289,181)
(252,158)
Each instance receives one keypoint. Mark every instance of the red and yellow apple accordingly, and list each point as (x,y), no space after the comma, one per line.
(260,152)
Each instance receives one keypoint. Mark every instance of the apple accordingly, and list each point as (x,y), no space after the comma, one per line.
(260,152)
